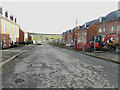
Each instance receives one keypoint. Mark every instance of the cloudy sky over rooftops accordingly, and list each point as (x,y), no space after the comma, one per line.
(56,17)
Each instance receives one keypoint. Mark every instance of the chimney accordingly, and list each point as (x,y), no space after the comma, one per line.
(15,20)
(6,14)
(12,17)
(2,11)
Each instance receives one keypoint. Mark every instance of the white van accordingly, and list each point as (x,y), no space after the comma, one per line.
(39,43)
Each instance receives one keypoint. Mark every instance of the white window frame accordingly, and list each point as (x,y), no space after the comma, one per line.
(100,30)
(112,28)
(4,28)
(104,29)
(118,28)
(68,36)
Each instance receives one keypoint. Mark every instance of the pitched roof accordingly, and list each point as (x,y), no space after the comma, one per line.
(87,24)
(109,17)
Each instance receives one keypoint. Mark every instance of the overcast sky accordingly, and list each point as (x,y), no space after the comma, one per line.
(51,17)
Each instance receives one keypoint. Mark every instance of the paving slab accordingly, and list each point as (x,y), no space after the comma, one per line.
(7,53)
(107,55)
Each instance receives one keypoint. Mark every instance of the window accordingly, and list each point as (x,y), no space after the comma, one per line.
(4,41)
(78,34)
(112,28)
(118,28)
(85,33)
(9,28)
(100,19)
(4,28)
(100,30)
(85,25)
(103,29)
(68,35)
(118,15)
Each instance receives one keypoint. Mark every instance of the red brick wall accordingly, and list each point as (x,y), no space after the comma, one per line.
(0,37)
(66,37)
(21,36)
(92,30)
(0,27)
(107,26)
(82,36)
(7,39)
(70,37)
(29,38)
(63,37)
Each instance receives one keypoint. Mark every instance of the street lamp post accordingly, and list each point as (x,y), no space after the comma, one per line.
(76,36)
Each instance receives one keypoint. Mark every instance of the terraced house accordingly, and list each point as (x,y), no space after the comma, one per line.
(9,30)
(108,25)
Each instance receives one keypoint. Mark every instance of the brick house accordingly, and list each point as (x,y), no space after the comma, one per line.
(21,36)
(29,38)
(109,25)
(65,37)
(70,36)
(86,31)
(91,30)
(9,29)
(82,35)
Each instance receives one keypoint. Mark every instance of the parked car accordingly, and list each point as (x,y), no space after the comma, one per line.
(39,43)
(68,44)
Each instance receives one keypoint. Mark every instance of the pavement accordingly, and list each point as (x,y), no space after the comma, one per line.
(105,55)
(8,53)
(45,66)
